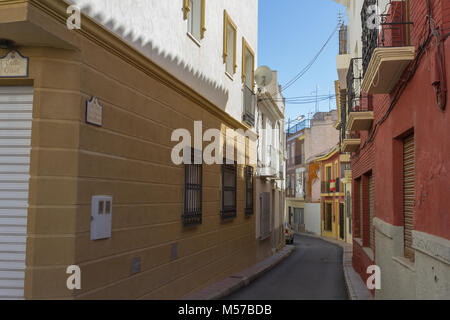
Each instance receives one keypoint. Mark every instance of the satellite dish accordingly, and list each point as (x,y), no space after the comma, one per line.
(263,76)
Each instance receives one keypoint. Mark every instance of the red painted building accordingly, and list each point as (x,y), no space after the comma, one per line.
(397,125)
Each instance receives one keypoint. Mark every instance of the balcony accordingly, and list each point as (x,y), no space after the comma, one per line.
(325,187)
(387,50)
(332,186)
(359,105)
(269,167)
(351,143)
(249,106)
(344,158)
(305,124)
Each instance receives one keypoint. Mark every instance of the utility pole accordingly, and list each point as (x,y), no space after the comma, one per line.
(329,100)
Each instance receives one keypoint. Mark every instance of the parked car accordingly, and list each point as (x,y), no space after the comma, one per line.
(289,234)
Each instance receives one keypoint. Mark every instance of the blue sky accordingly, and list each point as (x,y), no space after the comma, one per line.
(291,32)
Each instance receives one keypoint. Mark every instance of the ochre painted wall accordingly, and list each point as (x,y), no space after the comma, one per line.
(128,158)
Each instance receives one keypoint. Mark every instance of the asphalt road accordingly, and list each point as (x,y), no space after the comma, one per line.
(312,272)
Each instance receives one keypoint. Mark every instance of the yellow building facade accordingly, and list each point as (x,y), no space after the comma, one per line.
(150,254)
(336,220)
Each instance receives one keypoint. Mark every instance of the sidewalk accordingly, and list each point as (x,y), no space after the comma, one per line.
(242,279)
(356,288)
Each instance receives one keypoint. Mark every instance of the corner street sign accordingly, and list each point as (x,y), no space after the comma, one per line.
(94,112)
(13,65)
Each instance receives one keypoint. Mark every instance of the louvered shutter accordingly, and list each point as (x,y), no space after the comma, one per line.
(361,215)
(371,211)
(408,194)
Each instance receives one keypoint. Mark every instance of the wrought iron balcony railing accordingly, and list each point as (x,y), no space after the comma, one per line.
(299,127)
(352,135)
(325,187)
(356,99)
(299,160)
(386,29)
(249,106)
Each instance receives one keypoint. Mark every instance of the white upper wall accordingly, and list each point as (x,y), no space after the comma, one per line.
(157,28)
(353,10)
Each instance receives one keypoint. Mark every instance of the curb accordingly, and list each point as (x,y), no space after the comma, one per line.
(242,279)
(356,290)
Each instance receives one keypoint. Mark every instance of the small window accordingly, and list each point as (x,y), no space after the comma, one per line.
(249,191)
(248,79)
(193,175)
(248,65)
(194,13)
(229,44)
(229,182)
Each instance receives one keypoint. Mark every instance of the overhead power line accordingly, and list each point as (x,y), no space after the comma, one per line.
(311,63)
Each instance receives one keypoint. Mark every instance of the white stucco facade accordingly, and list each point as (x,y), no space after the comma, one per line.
(353,12)
(158,29)
(271,156)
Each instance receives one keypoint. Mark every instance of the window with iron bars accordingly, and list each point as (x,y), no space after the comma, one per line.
(229,185)
(249,191)
(193,177)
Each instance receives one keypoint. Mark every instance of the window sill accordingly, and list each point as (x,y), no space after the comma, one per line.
(229,76)
(405,263)
(197,42)
(358,241)
(369,252)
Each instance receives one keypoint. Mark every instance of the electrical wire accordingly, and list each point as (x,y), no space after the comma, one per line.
(311,63)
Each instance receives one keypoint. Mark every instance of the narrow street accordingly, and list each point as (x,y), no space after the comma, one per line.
(312,272)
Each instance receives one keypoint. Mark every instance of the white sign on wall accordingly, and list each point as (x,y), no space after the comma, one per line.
(94,112)
(13,65)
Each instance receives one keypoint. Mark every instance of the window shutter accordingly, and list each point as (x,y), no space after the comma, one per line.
(249,190)
(361,215)
(408,194)
(244,60)
(371,211)
(186,8)
(225,36)
(203,21)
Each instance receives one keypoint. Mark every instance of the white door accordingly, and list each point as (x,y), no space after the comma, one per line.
(15,146)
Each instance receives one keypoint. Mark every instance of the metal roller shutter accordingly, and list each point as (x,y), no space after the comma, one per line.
(15,146)
(408,194)
(361,215)
(371,211)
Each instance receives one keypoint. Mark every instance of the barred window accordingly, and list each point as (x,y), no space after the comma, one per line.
(249,191)
(229,182)
(193,175)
